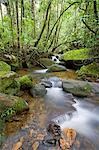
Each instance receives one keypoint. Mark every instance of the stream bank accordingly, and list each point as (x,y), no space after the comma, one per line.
(59,106)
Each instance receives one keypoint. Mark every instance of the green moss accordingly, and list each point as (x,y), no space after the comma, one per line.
(8,84)
(11,105)
(91,70)
(80,91)
(20,105)
(25,82)
(55,68)
(4,67)
(46,62)
(79,54)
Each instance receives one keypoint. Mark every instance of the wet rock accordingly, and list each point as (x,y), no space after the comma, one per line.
(55,130)
(25,82)
(56,82)
(8,83)
(10,105)
(77,88)
(38,90)
(46,83)
(56,68)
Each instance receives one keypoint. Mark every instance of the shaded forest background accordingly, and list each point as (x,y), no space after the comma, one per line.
(32,27)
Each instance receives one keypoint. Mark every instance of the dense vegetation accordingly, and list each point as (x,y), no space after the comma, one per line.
(48,26)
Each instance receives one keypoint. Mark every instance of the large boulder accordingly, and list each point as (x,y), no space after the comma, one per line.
(11,105)
(25,82)
(74,59)
(8,83)
(46,62)
(78,88)
(38,90)
(89,70)
(56,68)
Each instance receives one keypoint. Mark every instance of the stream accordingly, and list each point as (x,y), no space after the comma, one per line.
(81,114)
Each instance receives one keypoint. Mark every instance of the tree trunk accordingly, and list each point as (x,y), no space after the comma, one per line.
(33,16)
(17,23)
(44,25)
(11,20)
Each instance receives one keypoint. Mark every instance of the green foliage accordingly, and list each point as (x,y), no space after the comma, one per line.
(7,114)
(70,26)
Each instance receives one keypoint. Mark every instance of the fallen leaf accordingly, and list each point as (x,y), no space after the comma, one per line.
(35,145)
(64,144)
(31,133)
(40,137)
(18,144)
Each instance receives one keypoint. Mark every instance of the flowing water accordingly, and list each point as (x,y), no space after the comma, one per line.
(62,108)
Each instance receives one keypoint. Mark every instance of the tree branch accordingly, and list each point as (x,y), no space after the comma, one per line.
(59,18)
(44,25)
(88,27)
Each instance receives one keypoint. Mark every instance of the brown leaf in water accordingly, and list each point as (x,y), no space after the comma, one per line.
(18,144)
(35,145)
(31,133)
(40,137)
(64,145)
(70,135)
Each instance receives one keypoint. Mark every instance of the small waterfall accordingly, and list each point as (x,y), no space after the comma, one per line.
(41,71)
(63,118)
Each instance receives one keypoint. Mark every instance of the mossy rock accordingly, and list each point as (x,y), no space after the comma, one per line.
(89,70)
(77,88)
(11,105)
(79,54)
(8,83)
(56,68)
(38,90)
(4,67)
(25,82)
(46,62)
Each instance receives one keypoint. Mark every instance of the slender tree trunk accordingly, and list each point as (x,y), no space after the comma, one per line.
(22,22)
(95,10)
(33,16)
(2,17)
(44,25)
(60,17)
(17,23)
(11,20)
